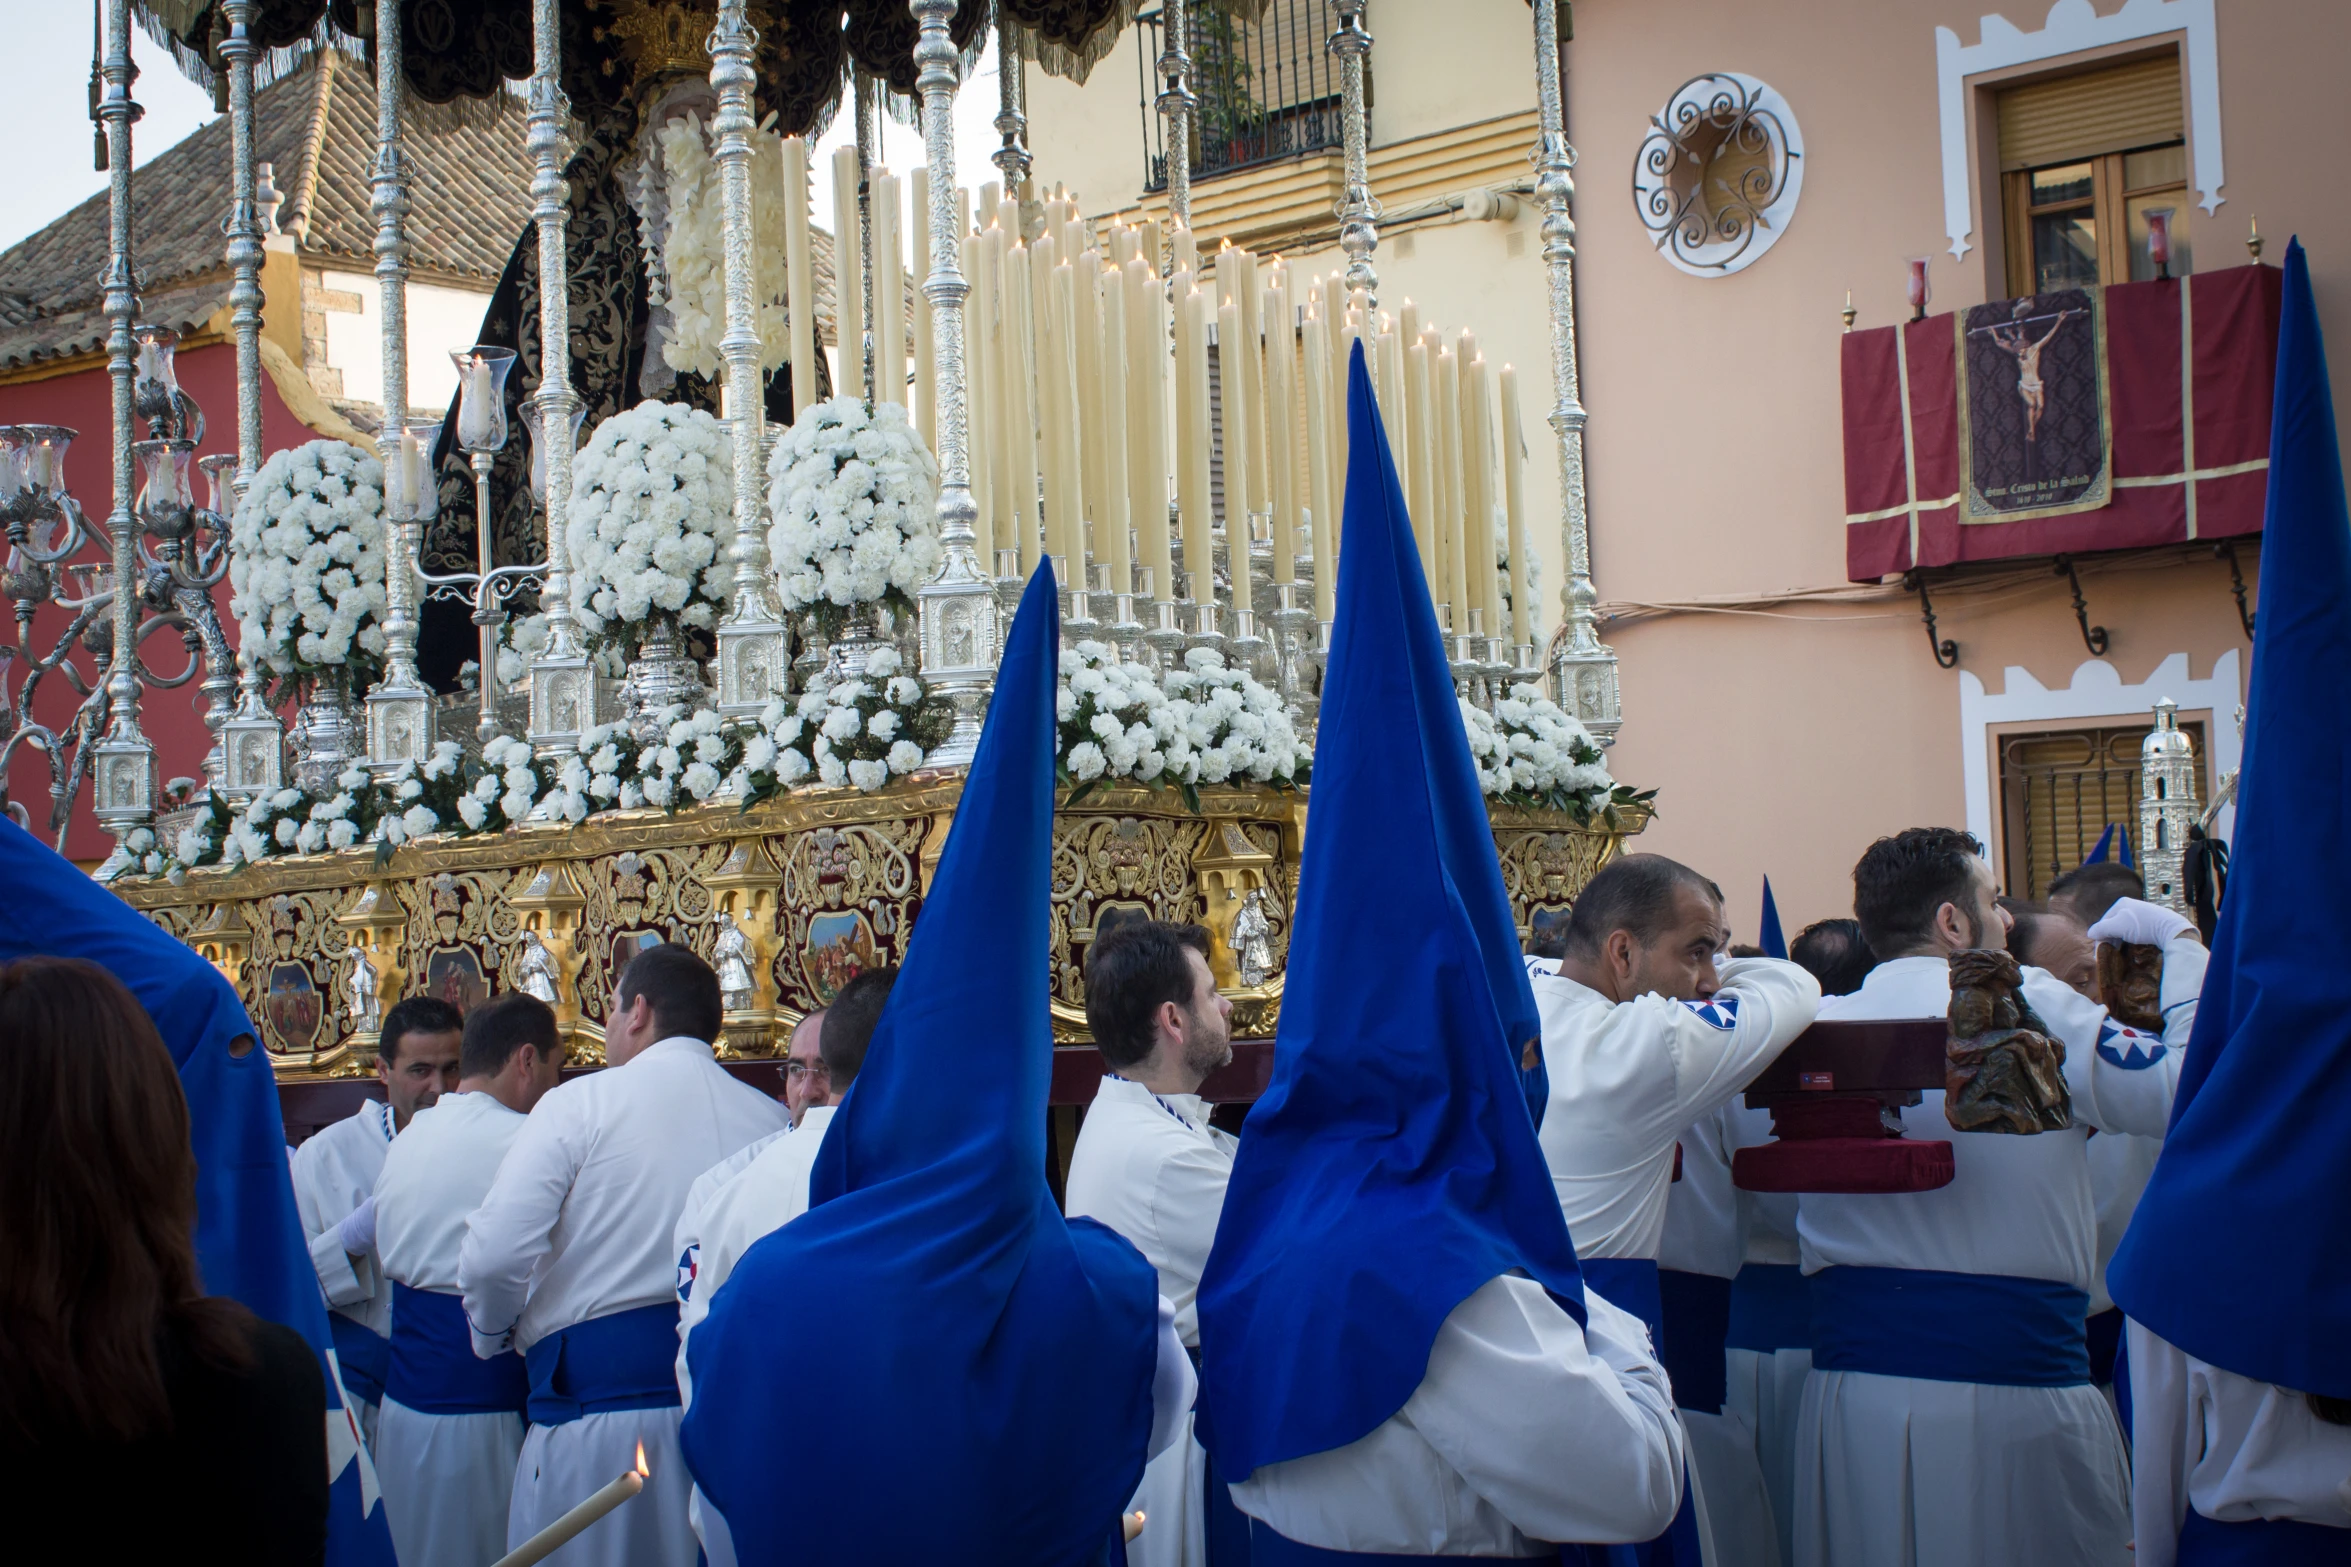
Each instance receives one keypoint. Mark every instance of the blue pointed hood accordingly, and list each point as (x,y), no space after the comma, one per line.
(249,1242)
(2260,1144)
(966,1373)
(2102,848)
(1391,1168)
(1772,939)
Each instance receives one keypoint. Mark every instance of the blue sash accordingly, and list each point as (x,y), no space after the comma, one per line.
(1950,1327)
(624,1360)
(363,1355)
(1771,1308)
(1631,1284)
(434,1369)
(1697,1320)
(2263,1542)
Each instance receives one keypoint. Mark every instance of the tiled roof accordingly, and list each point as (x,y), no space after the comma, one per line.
(468,201)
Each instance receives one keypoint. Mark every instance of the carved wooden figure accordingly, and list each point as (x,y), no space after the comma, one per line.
(2002,1072)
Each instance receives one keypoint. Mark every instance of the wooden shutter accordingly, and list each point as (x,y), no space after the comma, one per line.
(2137,104)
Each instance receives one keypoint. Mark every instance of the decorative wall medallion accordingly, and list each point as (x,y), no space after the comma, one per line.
(1717,177)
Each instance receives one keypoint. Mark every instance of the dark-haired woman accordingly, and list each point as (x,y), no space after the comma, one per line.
(140,1419)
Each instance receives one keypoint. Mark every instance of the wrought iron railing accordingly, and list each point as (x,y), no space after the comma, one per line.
(1267,86)
(2061,789)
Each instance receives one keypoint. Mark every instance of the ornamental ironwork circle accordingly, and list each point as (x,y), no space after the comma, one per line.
(1716,178)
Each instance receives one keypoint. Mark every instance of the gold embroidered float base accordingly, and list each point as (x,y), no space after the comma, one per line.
(820,885)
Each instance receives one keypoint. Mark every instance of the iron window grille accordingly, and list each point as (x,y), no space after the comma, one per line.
(1267,87)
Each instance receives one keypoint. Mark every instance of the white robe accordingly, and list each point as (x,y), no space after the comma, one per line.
(2235,1448)
(1151,1167)
(334,1171)
(1766,1389)
(1705,1234)
(578,1225)
(1525,1429)
(448,1480)
(1950,1474)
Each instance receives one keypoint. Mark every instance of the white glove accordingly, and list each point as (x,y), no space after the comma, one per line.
(358,1232)
(2141,923)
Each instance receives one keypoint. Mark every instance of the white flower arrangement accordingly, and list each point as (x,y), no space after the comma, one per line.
(854,493)
(306,563)
(1204,723)
(693,253)
(862,731)
(1532,751)
(653,492)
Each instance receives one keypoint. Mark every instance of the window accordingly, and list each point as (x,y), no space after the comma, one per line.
(1266,83)
(2084,159)
(2060,789)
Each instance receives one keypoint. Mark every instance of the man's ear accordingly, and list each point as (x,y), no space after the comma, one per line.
(1619,950)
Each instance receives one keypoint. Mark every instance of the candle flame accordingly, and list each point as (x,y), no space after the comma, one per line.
(641,1469)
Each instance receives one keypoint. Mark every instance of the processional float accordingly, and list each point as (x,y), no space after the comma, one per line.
(784,817)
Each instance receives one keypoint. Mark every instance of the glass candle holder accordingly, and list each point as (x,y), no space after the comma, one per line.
(420,480)
(44,447)
(12,455)
(1917,291)
(533,415)
(156,379)
(220,482)
(164,492)
(481,396)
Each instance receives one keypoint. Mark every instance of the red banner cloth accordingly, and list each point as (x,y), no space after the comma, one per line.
(2176,478)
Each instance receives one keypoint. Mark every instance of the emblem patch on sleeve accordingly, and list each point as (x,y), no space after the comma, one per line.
(2128,1048)
(689,1264)
(1720,1012)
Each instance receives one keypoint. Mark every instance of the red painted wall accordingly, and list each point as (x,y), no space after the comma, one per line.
(173,719)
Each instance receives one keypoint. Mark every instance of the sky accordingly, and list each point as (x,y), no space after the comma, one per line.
(44,81)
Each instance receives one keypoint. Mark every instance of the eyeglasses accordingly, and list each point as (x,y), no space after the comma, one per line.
(795,1070)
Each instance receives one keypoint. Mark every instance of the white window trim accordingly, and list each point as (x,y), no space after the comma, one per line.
(2097,692)
(2073,27)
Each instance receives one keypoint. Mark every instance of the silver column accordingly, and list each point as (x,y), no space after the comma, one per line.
(399,709)
(245,301)
(960,629)
(751,645)
(563,687)
(1583,671)
(1175,103)
(1012,122)
(125,771)
(1359,233)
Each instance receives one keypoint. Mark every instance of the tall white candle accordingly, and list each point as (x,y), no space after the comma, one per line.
(1147,411)
(1281,427)
(1198,500)
(926,380)
(1092,414)
(1252,377)
(1020,365)
(1420,495)
(1445,415)
(1113,522)
(1070,523)
(1319,499)
(1522,599)
(1400,414)
(799,275)
(848,277)
(889,293)
(1231,351)
(563,1530)
(1477,466)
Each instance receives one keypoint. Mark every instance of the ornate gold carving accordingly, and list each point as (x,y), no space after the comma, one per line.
(374,926)
(745,888)
(550,906)
(222,940)
(1229,868)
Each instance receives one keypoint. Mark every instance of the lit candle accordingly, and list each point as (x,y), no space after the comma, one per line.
(1147,361)
(1445,415)
(1418,396)
(848,277)
(1020,381)
(1185,255)
(926,381)
(1150,243)
(1319,499)
(799,275)
(1281,425)
(1230,351)
(563,1530)
(1197,497)
(1408,319)
(1514,458)
(889,294)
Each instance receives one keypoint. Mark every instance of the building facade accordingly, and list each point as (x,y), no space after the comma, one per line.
(1787,714)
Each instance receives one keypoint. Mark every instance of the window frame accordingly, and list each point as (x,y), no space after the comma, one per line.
(2108,203)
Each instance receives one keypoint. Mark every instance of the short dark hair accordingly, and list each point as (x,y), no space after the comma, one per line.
(1901,881)
(1133,968)
(416,1015)
(1833,952)
(1633,893)
(2093,889)
(682,988)
(1741,949)
(849,1023)
(499,1027)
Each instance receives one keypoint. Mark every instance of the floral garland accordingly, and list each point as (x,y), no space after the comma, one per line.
(864,729)
(651,492)
(693,253)
(1531,751)
(854,494)
(1200,724)
(306,563)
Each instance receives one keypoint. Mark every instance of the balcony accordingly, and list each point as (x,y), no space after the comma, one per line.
(1267,88)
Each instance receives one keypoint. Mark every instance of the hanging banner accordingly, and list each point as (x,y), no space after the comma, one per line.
(2033,436)
(2091,419)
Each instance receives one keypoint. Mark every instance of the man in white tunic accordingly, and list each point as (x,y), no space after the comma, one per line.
(686,1240)
(452,1424)
(569,1259)
(335,1173)
(1950,1419)
(1645,1034)
(1148,1164)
